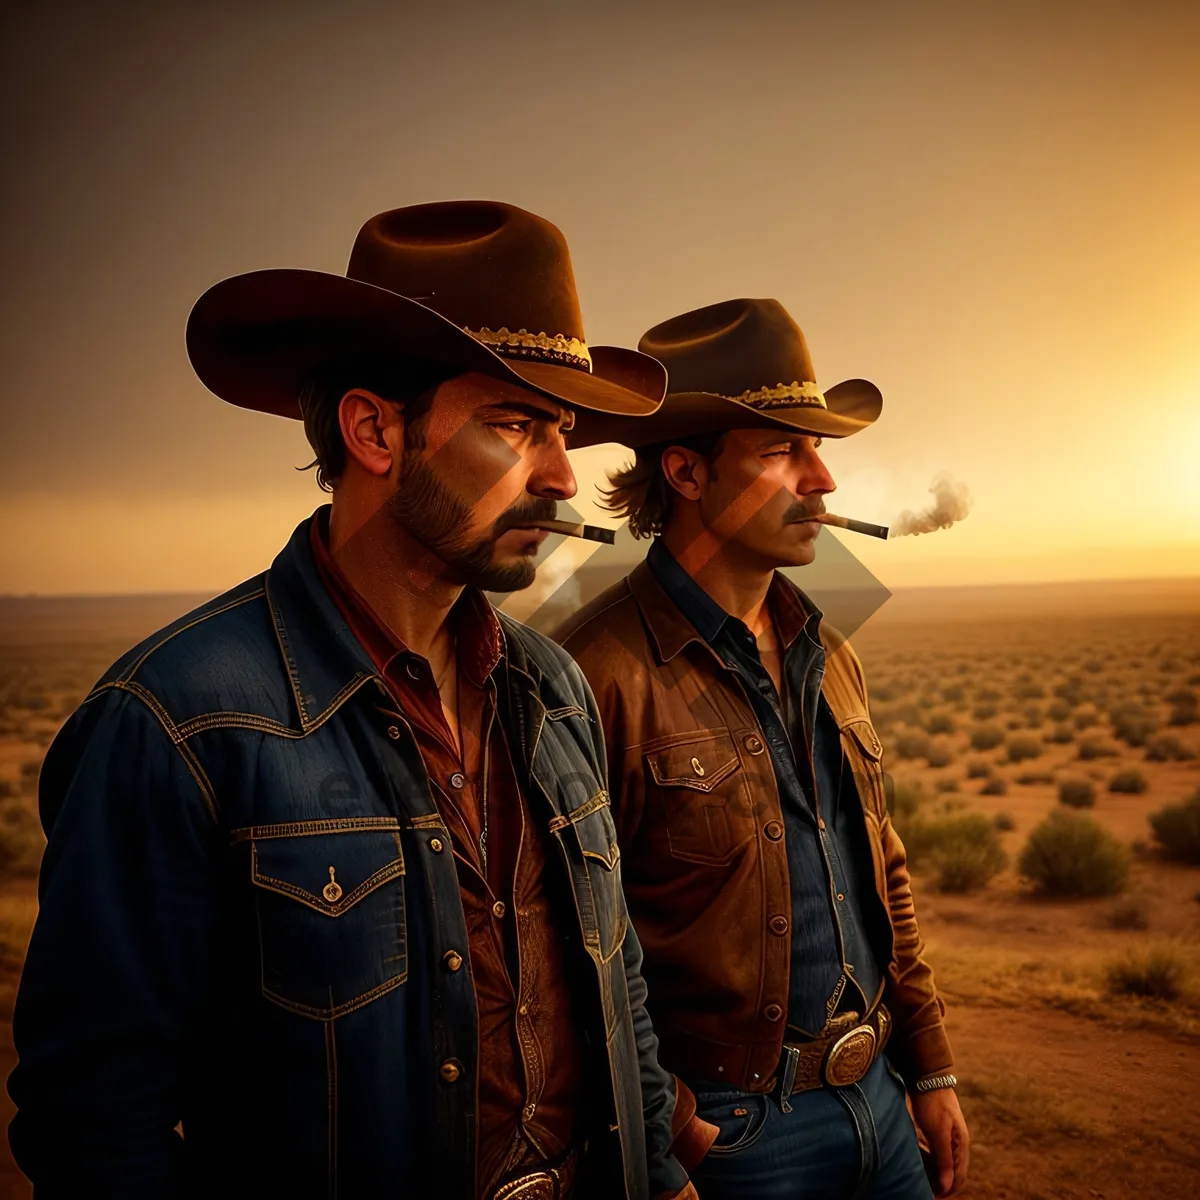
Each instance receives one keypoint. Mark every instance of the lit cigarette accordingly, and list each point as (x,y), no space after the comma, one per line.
(593,533)
(879,531)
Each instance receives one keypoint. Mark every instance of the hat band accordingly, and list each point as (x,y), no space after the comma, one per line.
(559,348)
(783,395)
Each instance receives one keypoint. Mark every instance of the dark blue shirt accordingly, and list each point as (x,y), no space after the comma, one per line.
(833,966)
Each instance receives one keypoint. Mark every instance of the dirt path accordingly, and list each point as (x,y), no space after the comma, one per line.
(1060,1106)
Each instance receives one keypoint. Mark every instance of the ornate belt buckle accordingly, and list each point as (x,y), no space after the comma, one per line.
(541,1185)
(850,1057)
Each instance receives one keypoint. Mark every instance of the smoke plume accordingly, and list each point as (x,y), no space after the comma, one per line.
(951,503)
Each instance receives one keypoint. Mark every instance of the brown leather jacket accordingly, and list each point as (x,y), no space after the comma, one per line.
(703,859)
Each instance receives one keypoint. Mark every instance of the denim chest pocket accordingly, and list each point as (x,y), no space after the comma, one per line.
(331,915)
(699,782)
(597,882)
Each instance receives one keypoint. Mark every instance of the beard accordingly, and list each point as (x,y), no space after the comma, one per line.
(431,514)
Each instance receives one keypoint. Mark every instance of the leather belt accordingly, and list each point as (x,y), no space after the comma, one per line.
(842,1054)
(547,1183)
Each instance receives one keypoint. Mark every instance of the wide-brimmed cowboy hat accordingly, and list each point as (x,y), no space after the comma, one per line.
(740,364)
(472,284)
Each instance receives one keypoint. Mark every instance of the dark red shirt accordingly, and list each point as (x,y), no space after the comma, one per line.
(531,1060)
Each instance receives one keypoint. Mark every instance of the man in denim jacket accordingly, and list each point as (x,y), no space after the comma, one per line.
(331,904)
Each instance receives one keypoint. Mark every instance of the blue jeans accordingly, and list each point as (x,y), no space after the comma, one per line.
(836,1144)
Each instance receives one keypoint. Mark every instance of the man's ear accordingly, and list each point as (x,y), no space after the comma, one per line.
(372,428)
(685,470)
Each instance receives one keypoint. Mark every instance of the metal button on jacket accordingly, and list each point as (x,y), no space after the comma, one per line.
(778,925)
(773,830)
(452,959)
(450,1070)
(773,1012)
(754,744)
(435,844)
(393,732)
(457,779)
(498,909)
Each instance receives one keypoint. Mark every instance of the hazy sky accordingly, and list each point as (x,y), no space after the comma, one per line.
(991,210)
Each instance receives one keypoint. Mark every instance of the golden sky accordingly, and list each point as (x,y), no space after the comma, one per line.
(989,209)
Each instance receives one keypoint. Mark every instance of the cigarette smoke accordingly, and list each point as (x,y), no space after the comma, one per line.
(951,503)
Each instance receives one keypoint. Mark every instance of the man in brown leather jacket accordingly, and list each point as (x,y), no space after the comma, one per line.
(763,873)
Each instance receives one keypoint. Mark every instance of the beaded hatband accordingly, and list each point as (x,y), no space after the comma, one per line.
(558,348)
(783,395)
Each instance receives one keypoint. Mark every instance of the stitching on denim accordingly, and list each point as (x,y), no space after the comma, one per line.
(332,1014)
(568,710)
(190,761)
(285,649)
(190,625)
(290,829)
(597,802)
(331,1085)
(392,870)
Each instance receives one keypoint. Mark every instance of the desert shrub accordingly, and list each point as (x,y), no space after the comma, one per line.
(939,756)
(963,852)
(984,712)
(1093,748)
(978,770)
(904,800)
(1155,974)
(1070,691)
(1070,854)
(1184,696)
(986,737)
(1027,689)
(1076,793)
(1093,666)
(988,695)
(884,691)
(1132,782)
(1014,723)
(1167,748)
(911,745)
(909,714)
(1004,822)
(1183,714)
(954,694)
(946,785)
(1132,725)
(1060,735)
(1176,828)
(1021,748)
(7,788)
(996,786)
(1058,711)
(940,722)
(1029,778)
(1085,719)
(1128,914)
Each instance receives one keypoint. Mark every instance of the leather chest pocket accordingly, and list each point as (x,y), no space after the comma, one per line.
(331,914)
(699,782)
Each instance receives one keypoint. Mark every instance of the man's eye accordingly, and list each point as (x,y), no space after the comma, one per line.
(512,426)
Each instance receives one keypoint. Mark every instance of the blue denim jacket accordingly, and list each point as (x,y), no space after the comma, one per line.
(246,899)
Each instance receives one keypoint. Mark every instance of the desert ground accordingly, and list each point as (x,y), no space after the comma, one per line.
(1075,1018)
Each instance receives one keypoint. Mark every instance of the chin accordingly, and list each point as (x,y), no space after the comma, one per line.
(512,576)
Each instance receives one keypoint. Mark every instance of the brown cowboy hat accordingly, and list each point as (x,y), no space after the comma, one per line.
(474,284)
(741,364)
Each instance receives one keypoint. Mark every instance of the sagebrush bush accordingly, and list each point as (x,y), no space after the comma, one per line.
(986,737)
(1176,828)
(939,756)
(940,722)
(911,745)
(1129,914)
(1085,719)
(1131,781)
(1021,748)
(1132,725)
(1004,822)
(979,770)
(1093,748)
(1060,735)
(1069,854)
(984,712)
(1155,974)
(1167,748)
(996,786)
(904,799)
(1076,793)
(1058,711)
(946,785)
(963,852)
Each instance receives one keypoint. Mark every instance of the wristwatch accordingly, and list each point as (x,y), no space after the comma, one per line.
(932,1083)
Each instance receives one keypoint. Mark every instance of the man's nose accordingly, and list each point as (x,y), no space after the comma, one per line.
(553,475)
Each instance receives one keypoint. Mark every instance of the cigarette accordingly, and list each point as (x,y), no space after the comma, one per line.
(593,533)
(879,531)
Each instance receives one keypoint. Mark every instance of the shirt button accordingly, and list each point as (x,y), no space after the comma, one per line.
(778,925)
(450,1070)
(840,896)
(773,1012)
(393,732)
(435,844)
(498,909)
(452,960)
(524,1010)
(773,830)
(528,1111)
(754,744)
(457,779)
(850,968)
(413,671)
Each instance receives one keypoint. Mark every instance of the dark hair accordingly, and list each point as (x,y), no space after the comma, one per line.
(407,382)
(640,492)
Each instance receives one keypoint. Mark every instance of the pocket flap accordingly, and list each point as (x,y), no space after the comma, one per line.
(863,732)
(331,872)
(699,763)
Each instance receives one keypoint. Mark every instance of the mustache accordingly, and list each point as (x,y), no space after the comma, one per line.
(803,512)
(540,508)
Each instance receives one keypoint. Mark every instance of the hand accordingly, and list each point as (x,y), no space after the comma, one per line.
(943,1124)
